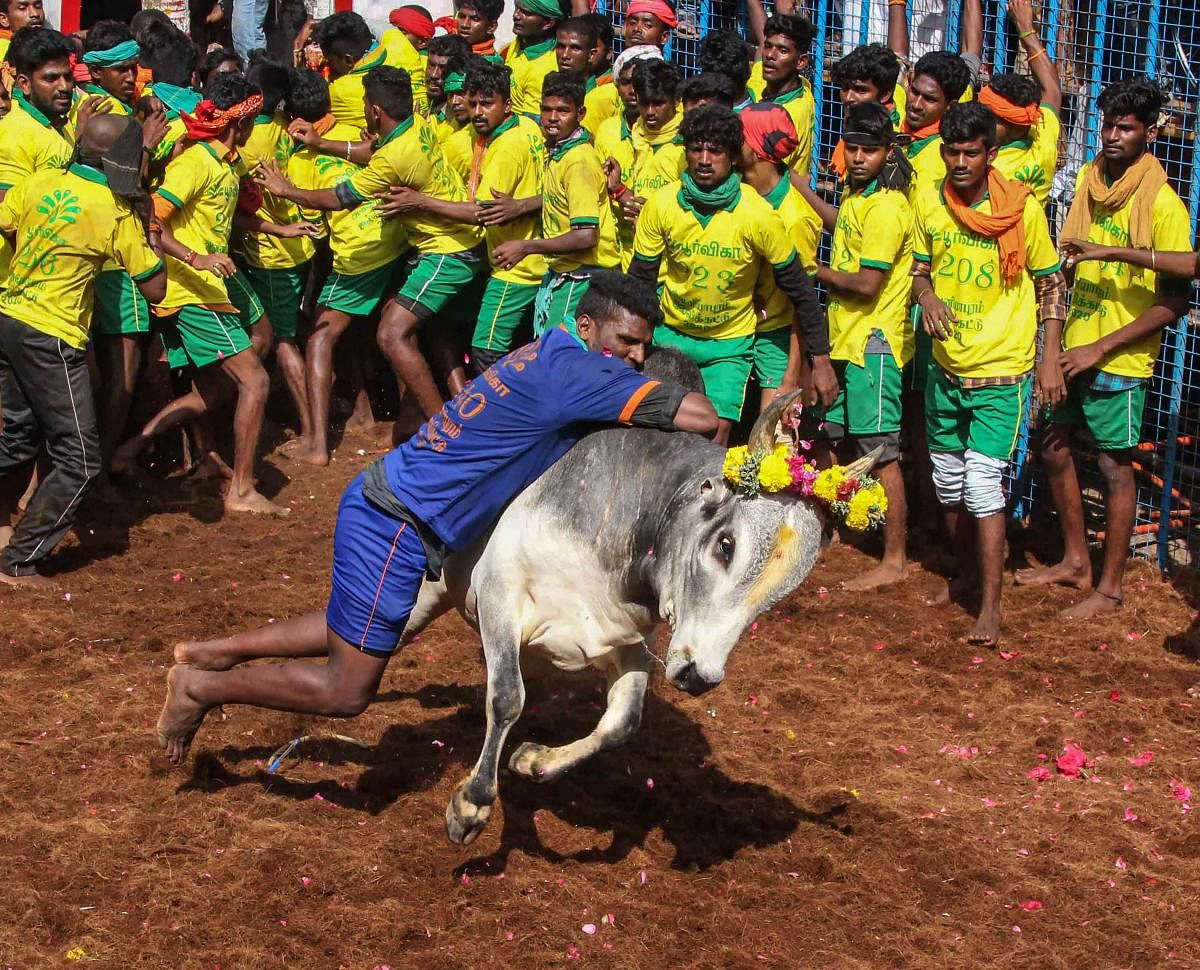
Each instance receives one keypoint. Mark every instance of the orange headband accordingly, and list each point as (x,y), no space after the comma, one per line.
(209,121)
(1005,110)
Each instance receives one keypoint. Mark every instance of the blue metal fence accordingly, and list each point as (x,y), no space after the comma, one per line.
(1093,43)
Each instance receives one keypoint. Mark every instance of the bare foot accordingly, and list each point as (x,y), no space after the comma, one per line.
(986,631)
(205,654)
(1094,605)
(181,715)
(956,589)
(882,575)
(1075,575)
(358,423)
(253,501)
(32,581)
(5,535)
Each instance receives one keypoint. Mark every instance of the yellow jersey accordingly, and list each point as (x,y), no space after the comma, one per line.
(614,140)
(657,158)
(459,149)
(444,125)
(996,331)
(402,53)
(575,196)
(410,155)
(88,91)
(601,102)
(202,184)
(712,263)
(929,168)
(66,226)
(346,92)
(270,141)
(803,227)
(874,229)
(529,64)
(361,241)
(514,162)
(1107,296)
(1033,160)
(801,107)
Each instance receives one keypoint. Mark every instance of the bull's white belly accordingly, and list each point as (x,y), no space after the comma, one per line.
(566,607)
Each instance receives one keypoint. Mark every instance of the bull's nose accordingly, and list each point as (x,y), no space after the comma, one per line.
(687,679)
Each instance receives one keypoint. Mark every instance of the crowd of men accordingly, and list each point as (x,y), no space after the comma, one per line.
(458,198)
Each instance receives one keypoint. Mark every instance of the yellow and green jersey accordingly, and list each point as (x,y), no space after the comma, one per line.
(1107,296)
(514,163)
(410,155)
(66,226)
(874,229)
(361,241)
(576,197)
(601,102)
(1033,160)
(996,330)
(402,53)
(614,139)
(929,168)
(346,92)
(529,64)
(269,141)
(803,227)
(657,157)
(711,264)
(444,125)
(107,103)
(202,185)
(459,150)
(801,107)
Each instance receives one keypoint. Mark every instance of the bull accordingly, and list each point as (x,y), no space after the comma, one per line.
(630,529)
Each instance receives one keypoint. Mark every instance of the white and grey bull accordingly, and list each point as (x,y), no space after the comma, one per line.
(629,529)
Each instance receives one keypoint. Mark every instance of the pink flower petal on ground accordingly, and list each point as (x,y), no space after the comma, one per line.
(1179,791)
(988,802)
(305,881)
(1131,815)
(1040,773)
(1121,863)
(1016,929)
(880,645)
(177,577)
(1143,759)
(1072,761)
(642,878)
(1114,695)
(589,929)
(901,749)
(1007,655)
(650,783)
(1133,635)
(572,952)
(510,935)
(1031,905)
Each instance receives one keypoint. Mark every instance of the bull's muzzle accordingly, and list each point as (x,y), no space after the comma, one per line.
(684,675)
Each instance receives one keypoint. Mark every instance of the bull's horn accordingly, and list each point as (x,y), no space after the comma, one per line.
(762,435)
(860,466)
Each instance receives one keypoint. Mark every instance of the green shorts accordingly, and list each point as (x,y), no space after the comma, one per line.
(359,294)
(120,307)
(280,291)
(242,296)
(558,298)
(725,366)
(445,284)
(199,337)
(868,404)
(505,309)
(982,419)
(771,356)
(922,360)
(1112,418)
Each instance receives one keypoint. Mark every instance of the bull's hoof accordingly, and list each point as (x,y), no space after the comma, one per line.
(464,819)
(529,761)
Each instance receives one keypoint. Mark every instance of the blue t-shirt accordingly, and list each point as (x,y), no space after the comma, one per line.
(505,428)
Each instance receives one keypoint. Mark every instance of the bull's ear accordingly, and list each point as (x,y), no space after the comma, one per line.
(713,492)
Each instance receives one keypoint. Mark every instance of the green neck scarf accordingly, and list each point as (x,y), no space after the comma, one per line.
(501,128)
(533,51)
(706,203)
(27,106)
(580,137)
(395,133)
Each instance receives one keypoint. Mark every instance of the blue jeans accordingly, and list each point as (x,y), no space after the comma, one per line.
(247,27)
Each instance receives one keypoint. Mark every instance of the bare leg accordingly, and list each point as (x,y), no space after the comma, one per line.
(120,361)
(960,526)
(1120,508)
(291,365)
(990,531)
(1075,567)
(330,325)
(301,636)
(342,687)
(398,340)
(893,567)
(247,372)
(262,337)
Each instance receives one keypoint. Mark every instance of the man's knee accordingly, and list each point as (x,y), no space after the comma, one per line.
(949,473)
(983,484)
(1117,468)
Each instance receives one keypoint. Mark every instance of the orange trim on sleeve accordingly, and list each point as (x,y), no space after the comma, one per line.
(638,397)
(163,210)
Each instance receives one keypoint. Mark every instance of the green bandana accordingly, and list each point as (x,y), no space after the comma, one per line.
(127,50)
(580,137)
(501,128)
(534,51)
(175,99)
(704,204)
(543,8)
(454,82)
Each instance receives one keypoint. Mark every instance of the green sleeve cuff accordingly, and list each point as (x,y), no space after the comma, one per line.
(787,262)
(922,257)
(173,199)
(142,277)
(5,186)
(1046,272)
(874,264)
(585,222)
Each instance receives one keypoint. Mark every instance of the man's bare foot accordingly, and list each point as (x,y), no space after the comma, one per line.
(6,532)
(253,501)
(205,654)
(1093,605)
(181,715)
(956,589)
(32,581)
(1075,575)
(885,574)
(986,631)
(358,423)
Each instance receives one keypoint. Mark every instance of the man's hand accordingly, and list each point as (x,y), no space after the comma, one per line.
(612,172)
(1079,359)
(508,254)
(304,132)
(272,179)
(936,317)
(399,200)
(94,105)
(823,384)
(154,126)
(1049,387)
(1021,12)
(631,206)
(295,230)
(1075,251)
(504,208)
(216,263)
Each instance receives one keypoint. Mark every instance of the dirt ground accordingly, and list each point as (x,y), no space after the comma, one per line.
(856,794)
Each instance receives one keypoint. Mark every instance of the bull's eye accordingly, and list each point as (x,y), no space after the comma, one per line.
(725,548)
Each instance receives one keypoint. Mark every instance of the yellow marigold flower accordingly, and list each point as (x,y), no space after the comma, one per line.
(878,497)
(774,474)
(734,459)
(827,483)
(857,519)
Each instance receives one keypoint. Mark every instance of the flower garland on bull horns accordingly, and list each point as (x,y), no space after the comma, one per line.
(768,465)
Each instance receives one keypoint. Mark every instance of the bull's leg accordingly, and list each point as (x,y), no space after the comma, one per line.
(471,805)
(627,681)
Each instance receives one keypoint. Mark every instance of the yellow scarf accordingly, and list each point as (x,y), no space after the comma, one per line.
(1141,181)
(644,139)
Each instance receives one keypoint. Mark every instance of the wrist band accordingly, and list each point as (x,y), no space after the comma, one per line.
(1153,261)
(190,258)
(1040,52)
(619,191)
(347,151)
(1026,33)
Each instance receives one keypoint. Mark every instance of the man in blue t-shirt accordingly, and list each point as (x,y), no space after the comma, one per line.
(436,494)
